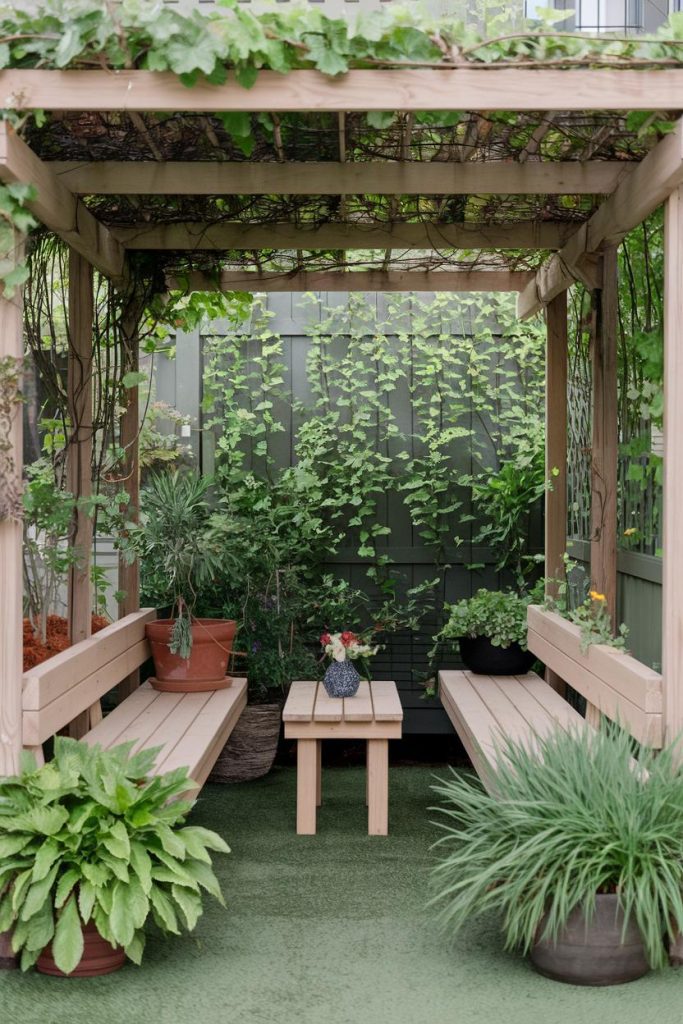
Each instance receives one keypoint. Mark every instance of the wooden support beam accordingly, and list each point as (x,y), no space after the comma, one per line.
(224,236)
(11,539)
(58,209)
(556,451)
(635,198)
(79,454)
(672,590)
(375,177)
(604,445)
(129,573)
(480,87)
(357,281)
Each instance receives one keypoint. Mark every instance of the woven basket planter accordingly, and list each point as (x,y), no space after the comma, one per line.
(251,749)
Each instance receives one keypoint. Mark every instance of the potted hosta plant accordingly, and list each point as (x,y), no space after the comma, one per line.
(491,632)
(341,677)
(577,847)
(180,554)
(91,848)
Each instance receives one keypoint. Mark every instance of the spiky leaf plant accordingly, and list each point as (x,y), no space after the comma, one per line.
(573,815)
(90,836)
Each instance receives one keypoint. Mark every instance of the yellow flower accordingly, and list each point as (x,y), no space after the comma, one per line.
(597,597)
(631,530)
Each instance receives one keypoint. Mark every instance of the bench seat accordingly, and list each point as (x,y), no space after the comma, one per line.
(191,728)
(486,709)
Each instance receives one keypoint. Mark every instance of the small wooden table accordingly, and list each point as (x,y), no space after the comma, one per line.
(310,716)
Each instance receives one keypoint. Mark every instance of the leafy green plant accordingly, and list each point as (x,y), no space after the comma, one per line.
(179,548)
(568,817)
(91,837)
(496,614)
(570,597)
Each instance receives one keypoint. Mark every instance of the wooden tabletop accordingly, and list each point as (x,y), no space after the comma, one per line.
(376,709)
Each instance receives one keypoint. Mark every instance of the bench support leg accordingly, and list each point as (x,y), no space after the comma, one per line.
(378,787)
(306,786)
(319,774)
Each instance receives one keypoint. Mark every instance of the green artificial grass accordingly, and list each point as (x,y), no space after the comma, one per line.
(327,929)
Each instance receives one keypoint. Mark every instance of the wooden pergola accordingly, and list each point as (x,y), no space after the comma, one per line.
(72,202)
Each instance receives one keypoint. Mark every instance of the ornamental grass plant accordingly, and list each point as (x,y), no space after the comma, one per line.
(572,815)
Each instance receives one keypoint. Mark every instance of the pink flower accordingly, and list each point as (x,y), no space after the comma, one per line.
(325,639)
(348,638)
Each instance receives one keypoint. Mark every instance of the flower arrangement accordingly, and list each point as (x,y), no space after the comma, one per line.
(340,646)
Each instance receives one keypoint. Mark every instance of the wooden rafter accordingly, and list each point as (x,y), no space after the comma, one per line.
(650,183)
(58,208)
(462,88)
(126,177)
(358,281)
(231,235)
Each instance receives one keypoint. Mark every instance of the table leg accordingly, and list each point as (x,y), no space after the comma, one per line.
(306,786)
(378,787)
(319,773)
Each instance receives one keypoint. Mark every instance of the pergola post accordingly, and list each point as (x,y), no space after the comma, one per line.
(604,443)
(79,455)
(672,592)
(555,451)
(129,573)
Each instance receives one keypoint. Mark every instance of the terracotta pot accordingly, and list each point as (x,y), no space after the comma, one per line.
(250,751)
(481,656)
(99,957)
(205,669)
(593,951)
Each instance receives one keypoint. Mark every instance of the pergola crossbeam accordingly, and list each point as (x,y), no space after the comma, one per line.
(482,87)
(223,236)
(58,208)
(652,181)
(358,281)
(375,177)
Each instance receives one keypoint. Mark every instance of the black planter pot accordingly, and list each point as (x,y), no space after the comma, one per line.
(596,951)
(481,656)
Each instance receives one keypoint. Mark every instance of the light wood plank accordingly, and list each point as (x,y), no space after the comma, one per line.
(11,539)
(52,678)
(327,709)
(636,682)
(344,730)
(538,717)
(224,236)
(201,744)
(376,177)
(635,198)
(168,733)
(378,787)
(306,786)
(359,708)
(386,701)
(58,209)
(300,701)
(672,582)
(562,713)
(356,281)
(406,89)
(473,721)
(499,696)
(319,774)
(145,725)
(112,727)
(81,698)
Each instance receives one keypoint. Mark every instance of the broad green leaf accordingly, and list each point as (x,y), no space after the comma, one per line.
(190,904)
(67,945)
(164,913)
(41,928)
(120,919)
(117,841)
(136,947)
(86,900)
(45,858)
(38,894)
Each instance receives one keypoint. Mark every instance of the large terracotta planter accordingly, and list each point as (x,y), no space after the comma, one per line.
(207,666)
(593,950)
(99,957)
(481,656)
(250,751)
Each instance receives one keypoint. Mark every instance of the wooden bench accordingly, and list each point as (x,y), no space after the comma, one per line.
(191,728)
(486,709)
(310,716)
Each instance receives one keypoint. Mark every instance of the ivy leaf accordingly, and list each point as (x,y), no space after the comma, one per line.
(380,118)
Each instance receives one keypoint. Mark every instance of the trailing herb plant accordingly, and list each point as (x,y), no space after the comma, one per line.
(498,615)
(90,837)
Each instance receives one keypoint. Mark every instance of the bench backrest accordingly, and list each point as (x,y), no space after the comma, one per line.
(621,687)
(59,689)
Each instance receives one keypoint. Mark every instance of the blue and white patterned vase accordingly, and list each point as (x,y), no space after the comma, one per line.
(341,679)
